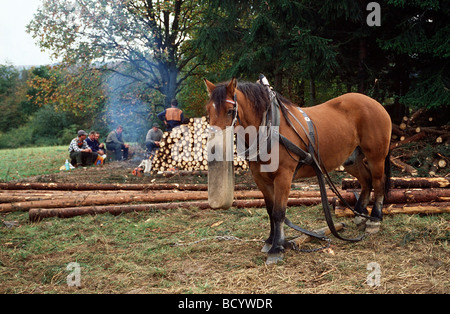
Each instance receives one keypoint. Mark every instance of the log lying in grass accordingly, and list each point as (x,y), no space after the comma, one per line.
(404,167)
(101,186)
(405,183)
(409,196)
(30,186)
(36,214)
(304,198)
(414,138)
(101,200)
(393,209)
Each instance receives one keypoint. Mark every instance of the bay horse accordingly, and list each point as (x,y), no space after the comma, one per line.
(352,130)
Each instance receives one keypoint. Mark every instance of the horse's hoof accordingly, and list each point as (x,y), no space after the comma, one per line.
(266,247)
(274,258)
(360,222)
(373,226)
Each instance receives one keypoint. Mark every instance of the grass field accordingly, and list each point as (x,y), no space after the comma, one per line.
(16,164)
(184,250)
(135,253)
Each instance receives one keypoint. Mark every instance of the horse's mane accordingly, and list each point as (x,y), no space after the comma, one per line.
(256,93)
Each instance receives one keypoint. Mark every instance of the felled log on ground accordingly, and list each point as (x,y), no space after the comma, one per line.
(101,200)
(101,186)
(413,138)
(296,198)
(60,195)
(169,174)
(410,196)
(404,167)
(393,209)
(405,183)
(304,198)
(37,214)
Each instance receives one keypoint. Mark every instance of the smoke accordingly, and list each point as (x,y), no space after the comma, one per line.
(130,105)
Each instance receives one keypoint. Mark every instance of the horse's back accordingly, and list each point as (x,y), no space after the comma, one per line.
(348,121)
(353,109)
(355,103)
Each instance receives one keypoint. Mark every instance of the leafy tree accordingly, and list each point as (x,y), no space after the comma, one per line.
(278,38)
(12,97)
(405,60)
(77,89)
(146,42)
(419,38)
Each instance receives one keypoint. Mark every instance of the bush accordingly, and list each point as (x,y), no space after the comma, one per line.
(19,137)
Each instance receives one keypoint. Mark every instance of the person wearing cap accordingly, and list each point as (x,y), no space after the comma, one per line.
(114,142)
(154,136)
(172,117)
(79,151)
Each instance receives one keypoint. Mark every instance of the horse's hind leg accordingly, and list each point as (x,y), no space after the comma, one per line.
(357,166)
(378,181)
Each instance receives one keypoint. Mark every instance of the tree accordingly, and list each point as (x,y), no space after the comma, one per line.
(403,61)
(12,97)
(77,89)
(419,41)
(145,41)
(282,39)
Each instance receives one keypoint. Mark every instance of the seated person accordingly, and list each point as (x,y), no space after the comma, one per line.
(153,138)
(100,145)
(93,143)
(79,151)
(114,142)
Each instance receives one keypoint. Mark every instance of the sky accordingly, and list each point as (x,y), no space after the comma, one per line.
(17,47)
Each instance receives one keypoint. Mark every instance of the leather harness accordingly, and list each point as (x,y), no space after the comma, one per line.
(272,118)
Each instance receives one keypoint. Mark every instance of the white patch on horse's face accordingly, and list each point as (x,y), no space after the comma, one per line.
(215,110)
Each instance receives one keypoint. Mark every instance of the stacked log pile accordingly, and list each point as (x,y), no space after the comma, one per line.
(419,127)
(408,196)
(185,149)
(64,200)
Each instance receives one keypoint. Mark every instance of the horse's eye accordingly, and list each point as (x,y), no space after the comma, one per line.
(230,112)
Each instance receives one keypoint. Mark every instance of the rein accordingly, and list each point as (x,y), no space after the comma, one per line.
(312,161)
(272,118)
(235,109)
(309,158)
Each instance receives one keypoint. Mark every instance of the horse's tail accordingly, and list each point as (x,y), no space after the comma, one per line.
(387,173)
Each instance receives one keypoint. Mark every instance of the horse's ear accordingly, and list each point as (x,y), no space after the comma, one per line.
(231,88)
(209,86)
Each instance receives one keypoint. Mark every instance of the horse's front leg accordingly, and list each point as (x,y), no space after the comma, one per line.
(282,188)
(268,243)
(266,186)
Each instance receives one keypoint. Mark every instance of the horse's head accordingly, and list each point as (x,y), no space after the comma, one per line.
(222,109)
(222,106)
